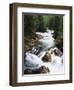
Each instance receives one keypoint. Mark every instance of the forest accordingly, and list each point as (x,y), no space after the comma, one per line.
(40,23)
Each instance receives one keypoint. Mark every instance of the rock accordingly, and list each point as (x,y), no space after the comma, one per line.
(30,42)
(43,70)
(46,58)
(28,71)
(59,44)
(58,52)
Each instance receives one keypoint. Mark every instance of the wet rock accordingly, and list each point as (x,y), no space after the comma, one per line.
(28,71)
(46,57)
(43,69)
(59,44)
(29,43)
(58,52)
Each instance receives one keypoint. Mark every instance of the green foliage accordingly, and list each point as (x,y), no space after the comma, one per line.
(33,23)
(41,27)
(29,24)
(56,24)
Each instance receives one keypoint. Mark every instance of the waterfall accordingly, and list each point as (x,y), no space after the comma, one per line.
(33,58)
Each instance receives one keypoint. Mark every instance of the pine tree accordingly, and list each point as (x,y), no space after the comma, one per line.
(41,27)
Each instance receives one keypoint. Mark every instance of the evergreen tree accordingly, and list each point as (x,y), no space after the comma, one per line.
(41,27)
(29,24)
(55,23)
(56,26)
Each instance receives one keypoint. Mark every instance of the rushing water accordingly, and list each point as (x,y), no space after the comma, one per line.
(33,58)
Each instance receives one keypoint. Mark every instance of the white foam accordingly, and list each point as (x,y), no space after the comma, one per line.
(47,40)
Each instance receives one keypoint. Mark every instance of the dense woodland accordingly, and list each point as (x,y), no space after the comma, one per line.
(39,23)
